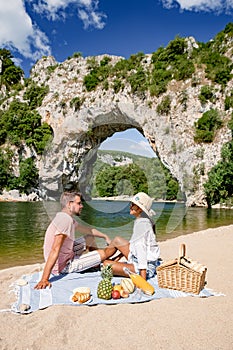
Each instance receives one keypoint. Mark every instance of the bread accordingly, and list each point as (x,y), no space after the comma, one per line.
(80,297)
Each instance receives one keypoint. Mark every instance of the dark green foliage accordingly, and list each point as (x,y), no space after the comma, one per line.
(172,186)
(165,106)
(175,61)
(219,187)
(77,54)
(170,63)
(121,69)
(10,74)
(218,67)
(230,124)
(222,38)
(105,61)
(108,180)
(29,177)
(184,69)
(41,137)
(91,80)
(51,69)
(229,101)
(207,125)
(138,81)
(159,182)
(5,168)
(206,94)
(19,124)
(98,73)
(35,95)
(76,102)
(117,85)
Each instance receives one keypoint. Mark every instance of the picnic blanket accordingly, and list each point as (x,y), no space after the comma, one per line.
(62,290)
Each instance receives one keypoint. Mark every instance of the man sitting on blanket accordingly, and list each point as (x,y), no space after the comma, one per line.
(62,252)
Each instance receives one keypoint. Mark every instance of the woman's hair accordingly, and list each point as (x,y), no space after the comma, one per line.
(67,197)
(154,227)
(144,215)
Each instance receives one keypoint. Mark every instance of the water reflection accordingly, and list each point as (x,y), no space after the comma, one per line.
(22,225)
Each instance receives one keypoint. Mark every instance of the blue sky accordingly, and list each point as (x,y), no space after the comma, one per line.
(32,29)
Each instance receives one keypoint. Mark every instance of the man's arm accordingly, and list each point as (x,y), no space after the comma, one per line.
(92,231)
(44,282)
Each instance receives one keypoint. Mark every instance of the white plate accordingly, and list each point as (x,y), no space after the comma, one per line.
(76,302)
(21,282)
(82,290)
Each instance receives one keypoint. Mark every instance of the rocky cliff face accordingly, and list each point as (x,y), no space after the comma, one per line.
(79,130)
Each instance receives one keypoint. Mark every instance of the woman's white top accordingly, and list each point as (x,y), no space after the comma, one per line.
(143,245)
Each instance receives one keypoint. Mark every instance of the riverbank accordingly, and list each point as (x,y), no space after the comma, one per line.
(16,196)
(187,323)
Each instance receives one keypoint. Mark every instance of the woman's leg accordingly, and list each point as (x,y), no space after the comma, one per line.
(117,267)
(118,243)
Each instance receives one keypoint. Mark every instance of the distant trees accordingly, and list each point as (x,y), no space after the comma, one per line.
(128,179)
(147,175)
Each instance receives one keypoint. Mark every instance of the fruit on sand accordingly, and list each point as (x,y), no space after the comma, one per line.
(116,294)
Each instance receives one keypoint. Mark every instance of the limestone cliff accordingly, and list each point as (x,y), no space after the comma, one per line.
(81,120)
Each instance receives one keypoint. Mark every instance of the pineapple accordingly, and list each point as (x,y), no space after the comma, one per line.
(104,290)
(106,272)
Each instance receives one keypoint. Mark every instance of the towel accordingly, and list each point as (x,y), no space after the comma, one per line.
(30,300)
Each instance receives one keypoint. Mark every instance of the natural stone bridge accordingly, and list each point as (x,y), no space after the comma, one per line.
(79,133)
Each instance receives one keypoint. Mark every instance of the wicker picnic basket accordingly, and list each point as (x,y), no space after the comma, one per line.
(182,274)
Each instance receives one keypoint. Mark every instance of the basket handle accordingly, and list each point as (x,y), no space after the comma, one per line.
(182,251)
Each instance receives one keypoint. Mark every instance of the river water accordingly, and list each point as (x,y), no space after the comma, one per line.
(23,224)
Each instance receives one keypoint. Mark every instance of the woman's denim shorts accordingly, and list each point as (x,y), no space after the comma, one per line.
(151,266)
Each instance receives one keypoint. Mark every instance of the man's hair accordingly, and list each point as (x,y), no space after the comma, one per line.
(67,197)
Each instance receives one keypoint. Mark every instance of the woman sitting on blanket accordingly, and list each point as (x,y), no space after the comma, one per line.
(142,251)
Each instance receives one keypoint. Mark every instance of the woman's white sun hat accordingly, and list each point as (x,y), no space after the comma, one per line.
(143,201)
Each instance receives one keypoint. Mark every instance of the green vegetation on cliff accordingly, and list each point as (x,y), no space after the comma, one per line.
(219,188)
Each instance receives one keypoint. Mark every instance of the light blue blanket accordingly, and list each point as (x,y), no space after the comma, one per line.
(62,290)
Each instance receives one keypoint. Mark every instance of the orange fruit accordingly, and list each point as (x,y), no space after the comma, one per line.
(117,287)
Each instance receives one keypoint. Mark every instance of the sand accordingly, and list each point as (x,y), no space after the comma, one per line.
(167,324)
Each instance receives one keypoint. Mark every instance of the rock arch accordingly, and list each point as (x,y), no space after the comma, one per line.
(79,132)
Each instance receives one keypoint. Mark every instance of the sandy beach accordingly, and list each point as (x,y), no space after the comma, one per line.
(167,324)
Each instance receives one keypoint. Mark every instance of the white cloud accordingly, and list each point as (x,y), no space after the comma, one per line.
(142,148)
(91,19)
(17,32)
(87,11)
(128,145)
(217,6)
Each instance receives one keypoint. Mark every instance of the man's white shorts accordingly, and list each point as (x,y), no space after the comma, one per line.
(83,262)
